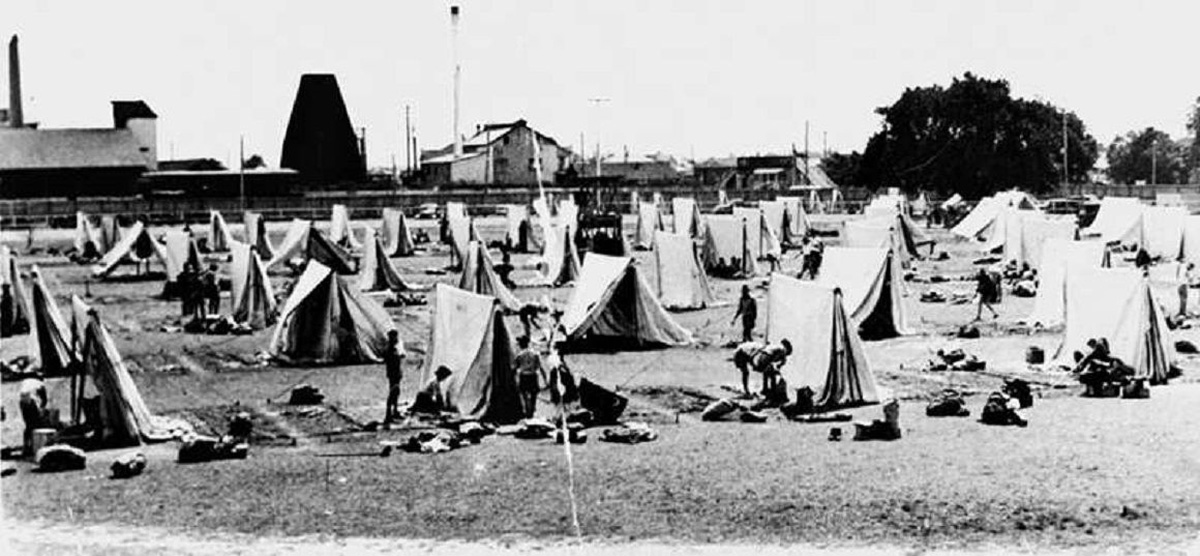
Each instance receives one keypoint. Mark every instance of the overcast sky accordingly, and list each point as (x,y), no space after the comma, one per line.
(687,76)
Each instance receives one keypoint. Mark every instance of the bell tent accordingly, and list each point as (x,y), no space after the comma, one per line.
(256,235)
(1118,220)
(760,239)
(179,252)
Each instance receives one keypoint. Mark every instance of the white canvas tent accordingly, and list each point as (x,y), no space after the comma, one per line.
(649,220)
(462,232)
(1191,239)
(680,280)
(136,245)
(376,271)
(1118,305)
(725,239)
(1119,220)
(797,224)
(252,297)
(327,321)
(219,238)
(828,356)
(517,229)
(1025,233)
(612,306)
(981,222)
(304,242)
(469,336)
(479,276)
(11,276)
(50,347)
(761,240)
(685,217)
(179,250)
(1162,231)
(124,417)
(560,260)
(89,240)
(1060,257)
(340,231)
(397,239)
(256,235)
(895,231)
(872,289)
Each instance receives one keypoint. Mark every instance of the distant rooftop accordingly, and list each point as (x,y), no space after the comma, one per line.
(37,149)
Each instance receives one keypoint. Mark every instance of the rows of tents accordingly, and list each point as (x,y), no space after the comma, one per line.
(331,316)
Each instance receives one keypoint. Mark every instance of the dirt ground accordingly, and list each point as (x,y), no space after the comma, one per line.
(1095,473)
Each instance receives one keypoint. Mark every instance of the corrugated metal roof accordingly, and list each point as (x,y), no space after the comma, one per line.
(32,149)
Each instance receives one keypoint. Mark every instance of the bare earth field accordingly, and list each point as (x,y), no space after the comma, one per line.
(1086,474)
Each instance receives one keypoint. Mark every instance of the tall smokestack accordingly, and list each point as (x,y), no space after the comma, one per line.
(16,116)
(458,148)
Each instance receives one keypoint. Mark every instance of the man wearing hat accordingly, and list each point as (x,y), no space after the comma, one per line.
(433,397)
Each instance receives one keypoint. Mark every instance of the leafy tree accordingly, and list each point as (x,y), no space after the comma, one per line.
(1148,155)
(255,161)
(842,168)
(1193,148)
(973,138)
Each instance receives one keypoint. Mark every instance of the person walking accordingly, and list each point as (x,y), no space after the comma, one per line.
(393,363)
(748,310)
(986,289)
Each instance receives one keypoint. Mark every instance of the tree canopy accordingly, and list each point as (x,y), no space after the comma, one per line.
(974,138)
(1149,155)
(1193,148)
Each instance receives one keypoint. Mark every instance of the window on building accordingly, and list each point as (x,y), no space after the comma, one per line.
(505,140)
(531,167)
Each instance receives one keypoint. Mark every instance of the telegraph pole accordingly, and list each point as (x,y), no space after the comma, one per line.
(596,103)
(1153,160)
(408,154)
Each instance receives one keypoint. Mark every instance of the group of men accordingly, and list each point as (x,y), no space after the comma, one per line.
(199,291)
(533,372)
